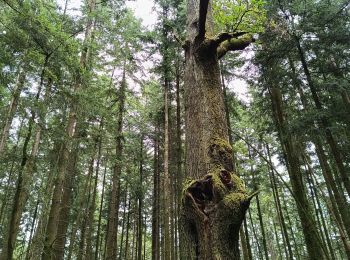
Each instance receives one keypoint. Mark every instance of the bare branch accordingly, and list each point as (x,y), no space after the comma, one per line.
(203,10)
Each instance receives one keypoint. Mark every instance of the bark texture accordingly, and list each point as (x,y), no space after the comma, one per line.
(214,200)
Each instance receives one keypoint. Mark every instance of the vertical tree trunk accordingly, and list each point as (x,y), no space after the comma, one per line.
(338,157)
(92,207)
(337,198)
(155,199)
(97,252)
(140,204)
(26,171)
(52,224)
(259,209)
(279,208)
(318,208)
(126,253)
(313,241)
(249,248)
(112,227)
(13,106)
(124,220)
(63,221)
(166,181)
(215,200)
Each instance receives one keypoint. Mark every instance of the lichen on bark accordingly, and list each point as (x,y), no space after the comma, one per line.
(213,207)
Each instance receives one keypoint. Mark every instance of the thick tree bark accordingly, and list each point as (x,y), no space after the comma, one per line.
(214,199)
(63,222)
(52,225)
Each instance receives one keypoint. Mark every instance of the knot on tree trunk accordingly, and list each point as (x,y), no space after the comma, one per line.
(214,206)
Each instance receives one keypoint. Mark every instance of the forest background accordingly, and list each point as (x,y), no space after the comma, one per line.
(92,127)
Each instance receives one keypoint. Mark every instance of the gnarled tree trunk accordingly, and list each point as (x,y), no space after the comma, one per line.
(214,199)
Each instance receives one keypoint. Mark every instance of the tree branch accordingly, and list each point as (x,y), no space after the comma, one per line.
(234,44)
(221,37)
(203,10)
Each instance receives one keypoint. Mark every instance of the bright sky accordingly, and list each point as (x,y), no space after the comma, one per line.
(143,10)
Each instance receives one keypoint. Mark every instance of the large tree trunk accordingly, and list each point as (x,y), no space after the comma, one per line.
(214,199)
(56,200)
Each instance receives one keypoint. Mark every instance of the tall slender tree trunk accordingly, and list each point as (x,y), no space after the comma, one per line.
(313,241)
(279,208)
(13,106)
(337,198)
(124,220)
(166,181)
(112,227)
(155,199)
(26,171)
(63,222)
(92,206)
(51,230)
(338,157)
(98,251)
(259,209)
(140,204)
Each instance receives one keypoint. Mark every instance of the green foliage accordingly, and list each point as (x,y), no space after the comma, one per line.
(239,15)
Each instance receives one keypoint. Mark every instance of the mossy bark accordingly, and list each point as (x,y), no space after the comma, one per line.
(213,209)
(214,200)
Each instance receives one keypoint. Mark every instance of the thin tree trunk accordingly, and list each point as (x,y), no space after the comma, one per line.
(140,204)
(123,223)
(318,208)
(112,227)
(155,200)
(98,245)
(249,248)
(92,207)
(178,154)
(25,177)
(338,157)
(312,238)
(279,208)
(12,107)
(259,209)
(338,199)
(126,253)
(166,181)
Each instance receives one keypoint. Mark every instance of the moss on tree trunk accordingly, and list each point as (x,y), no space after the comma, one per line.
(213,208)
